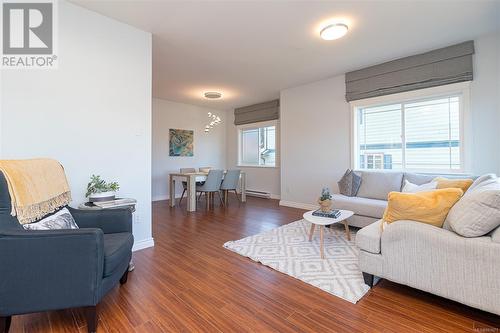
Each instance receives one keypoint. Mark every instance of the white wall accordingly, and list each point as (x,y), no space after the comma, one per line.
(484,105)
(315,139)
(258,179)
(93,113)
(209,148)
(315,128)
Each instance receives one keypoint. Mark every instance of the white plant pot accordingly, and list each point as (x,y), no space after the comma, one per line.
(103,196)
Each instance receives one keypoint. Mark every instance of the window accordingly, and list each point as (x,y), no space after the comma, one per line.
(258,146)
(419,134)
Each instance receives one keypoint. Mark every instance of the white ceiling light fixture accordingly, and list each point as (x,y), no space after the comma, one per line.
(334,31)
(212,95)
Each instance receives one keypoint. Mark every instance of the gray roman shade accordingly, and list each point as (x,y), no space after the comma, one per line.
(257,112)
(435,68)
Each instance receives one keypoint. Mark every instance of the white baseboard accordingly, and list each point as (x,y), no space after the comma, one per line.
(164,197)
(143,244)
(275,196)
(298,205)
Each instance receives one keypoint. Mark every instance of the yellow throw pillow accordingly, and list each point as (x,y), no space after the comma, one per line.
(426,207)
(463,184)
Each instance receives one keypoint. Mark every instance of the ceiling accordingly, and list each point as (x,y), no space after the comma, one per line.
(251,50)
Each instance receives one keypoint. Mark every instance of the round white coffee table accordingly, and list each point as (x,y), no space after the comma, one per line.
(321,222)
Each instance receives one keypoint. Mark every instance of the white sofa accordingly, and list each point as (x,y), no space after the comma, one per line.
(436,260)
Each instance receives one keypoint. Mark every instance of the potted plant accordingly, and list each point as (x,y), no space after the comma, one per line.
(325,200)
(100,190)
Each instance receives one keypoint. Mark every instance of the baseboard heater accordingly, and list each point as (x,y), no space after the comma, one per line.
(259,194)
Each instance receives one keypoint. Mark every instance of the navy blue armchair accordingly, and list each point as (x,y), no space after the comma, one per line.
(60,269)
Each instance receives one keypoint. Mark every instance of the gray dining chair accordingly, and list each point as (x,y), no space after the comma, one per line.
(230,183)
(184,184)
(211,186)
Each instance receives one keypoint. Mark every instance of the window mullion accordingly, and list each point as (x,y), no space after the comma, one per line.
(403,137)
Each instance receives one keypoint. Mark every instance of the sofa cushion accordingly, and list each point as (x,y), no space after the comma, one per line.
(378,184)
(481,179)
(409,187)
(426,207)
(360,206)
(117,248)
(62,219)
(349,183)
(462,184)
(368,238)
(478,212)
(419,178)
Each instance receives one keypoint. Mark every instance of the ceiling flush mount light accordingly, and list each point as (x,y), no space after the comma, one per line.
(212,95)
(333,31)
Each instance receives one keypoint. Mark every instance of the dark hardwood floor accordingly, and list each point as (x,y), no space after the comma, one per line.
(189,283)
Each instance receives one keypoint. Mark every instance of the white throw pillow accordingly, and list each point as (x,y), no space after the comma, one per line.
(478,212)
(414,188)
(60,220)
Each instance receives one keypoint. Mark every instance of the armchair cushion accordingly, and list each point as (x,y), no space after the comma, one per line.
(117,249)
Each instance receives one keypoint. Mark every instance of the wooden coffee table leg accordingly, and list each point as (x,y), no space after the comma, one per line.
(347,232)
(312,231)
(321,228)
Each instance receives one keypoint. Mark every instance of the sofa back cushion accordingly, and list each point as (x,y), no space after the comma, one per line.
(478,212)
(378,184)
(422,178)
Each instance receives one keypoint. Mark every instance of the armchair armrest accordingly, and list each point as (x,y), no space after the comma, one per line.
(108,220)
(48,270)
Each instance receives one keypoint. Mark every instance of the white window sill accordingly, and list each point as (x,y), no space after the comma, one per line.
(256,166)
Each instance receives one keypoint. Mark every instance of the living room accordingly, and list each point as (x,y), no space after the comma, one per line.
(266,166)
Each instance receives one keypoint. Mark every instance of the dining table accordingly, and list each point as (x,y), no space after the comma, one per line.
(191,178)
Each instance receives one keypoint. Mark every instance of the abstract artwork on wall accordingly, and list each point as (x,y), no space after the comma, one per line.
(181,142)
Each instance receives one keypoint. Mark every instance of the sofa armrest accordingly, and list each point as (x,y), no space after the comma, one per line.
(49,270)
(417,234)
(368,238)
(108,220)
(442,262)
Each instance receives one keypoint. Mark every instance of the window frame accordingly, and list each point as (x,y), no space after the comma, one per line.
(258,125)
(462,90)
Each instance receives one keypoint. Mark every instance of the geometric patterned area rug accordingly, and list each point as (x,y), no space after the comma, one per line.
(287,249)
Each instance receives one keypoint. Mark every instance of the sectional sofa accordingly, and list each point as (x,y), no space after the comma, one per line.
(371,200)
(436,260)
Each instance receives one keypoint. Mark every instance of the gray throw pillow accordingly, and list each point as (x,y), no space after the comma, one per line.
(349,183)
(478,211)
(60,220)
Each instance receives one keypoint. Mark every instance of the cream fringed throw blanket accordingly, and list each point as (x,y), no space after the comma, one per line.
(37,187)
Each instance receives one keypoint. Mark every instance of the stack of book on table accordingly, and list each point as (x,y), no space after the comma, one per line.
(334,213)
(117,203)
